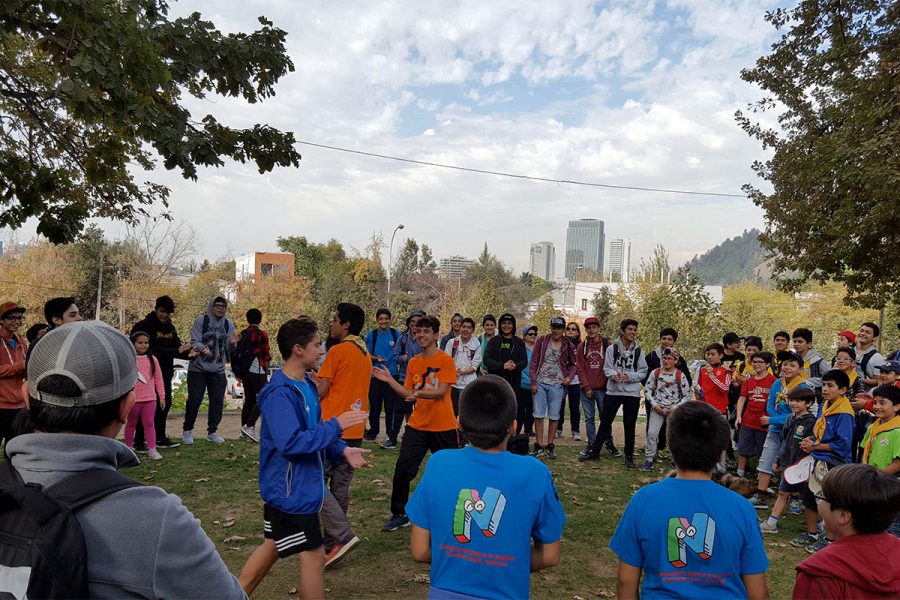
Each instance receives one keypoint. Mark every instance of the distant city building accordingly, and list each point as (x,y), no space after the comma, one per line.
(585,242)
(454,267)
(543,260)
(620,260)
(252,267)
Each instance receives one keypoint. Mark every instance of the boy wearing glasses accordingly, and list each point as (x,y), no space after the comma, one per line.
(12,366)
(750,407)
(666,388)
(858,503)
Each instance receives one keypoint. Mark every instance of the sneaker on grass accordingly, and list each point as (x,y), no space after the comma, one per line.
(215,438)
(389,444)
(795,507)
(804,539)
(611,449)
(187,438)
(817,545)
(765,527)
(629,463)
(648,465)
(551,451)
(167,444)
(153,454)
(395,523)
(249,433)
(758,503)
(339,551)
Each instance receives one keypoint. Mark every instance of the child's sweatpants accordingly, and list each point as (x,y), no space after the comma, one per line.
(145,411)
(656,422)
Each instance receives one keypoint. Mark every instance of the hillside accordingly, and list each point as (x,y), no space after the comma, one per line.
(734,260)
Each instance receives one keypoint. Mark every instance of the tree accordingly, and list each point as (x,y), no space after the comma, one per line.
(832,77)
(543,313)
(483,300)
(88,88)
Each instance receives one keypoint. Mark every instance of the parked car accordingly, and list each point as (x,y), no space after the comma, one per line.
(233,386)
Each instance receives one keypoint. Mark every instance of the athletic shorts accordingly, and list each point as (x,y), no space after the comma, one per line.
(807,496)
(751,441)
(791,488)
(291,533)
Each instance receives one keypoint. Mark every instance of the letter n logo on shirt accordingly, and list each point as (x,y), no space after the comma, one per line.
(697,534)
(485,509)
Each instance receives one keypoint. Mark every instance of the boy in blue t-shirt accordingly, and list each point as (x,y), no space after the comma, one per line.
(485,518)
(293,446)
(689,536)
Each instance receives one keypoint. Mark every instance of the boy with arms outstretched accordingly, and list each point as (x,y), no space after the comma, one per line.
(689,536)
(482,501)
(432,426)
(294,443)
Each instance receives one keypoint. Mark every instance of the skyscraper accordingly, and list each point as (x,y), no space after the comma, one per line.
(620,259)
(543,260)
(584,245)
(454,267)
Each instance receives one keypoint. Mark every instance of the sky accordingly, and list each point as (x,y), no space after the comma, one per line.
(616,92)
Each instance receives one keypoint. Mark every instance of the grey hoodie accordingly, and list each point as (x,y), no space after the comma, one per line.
(817,368)
(623,360)
(215,338)
(141,542)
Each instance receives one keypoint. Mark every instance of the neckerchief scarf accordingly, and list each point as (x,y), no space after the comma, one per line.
(877,428)
(839,406)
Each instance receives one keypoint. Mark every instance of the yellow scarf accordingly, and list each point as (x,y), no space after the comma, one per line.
(358,341)
(853,375)
(838,407)
(787,387)
(878,428)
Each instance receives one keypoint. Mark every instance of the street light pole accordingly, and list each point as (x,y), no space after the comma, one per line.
(391,263)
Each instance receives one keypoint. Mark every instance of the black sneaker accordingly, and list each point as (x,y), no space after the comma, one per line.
(611,449)
(586,450)
(370,438)
(551,454)
(140,447)
(589,453)
(395,523)
(167,443)
(629,463)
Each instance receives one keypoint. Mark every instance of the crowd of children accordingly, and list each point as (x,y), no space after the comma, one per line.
(485,517)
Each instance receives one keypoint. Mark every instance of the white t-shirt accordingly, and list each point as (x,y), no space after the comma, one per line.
(467,355)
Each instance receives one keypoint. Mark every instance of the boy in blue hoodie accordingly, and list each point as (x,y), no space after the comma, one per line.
(294,443)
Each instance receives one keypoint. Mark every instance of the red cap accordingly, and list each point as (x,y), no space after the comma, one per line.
(849,335)
(9,307)
(591,321)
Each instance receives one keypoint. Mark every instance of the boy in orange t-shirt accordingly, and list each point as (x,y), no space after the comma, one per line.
(344,379)
(714,379)
(432,426)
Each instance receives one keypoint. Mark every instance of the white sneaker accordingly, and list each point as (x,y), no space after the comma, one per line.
(249,433)
(153,454)
(215,438)
(187,438)
(576,436)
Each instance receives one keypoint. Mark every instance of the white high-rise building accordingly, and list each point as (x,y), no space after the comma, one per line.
(454,267)
(543,260)
(620,260)
(585,242)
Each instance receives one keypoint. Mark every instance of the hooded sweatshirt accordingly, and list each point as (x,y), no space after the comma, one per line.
(628,360)
(566,358)
(215,337)
(856,566)
(164,342)
(814,366)
(12,371)
(589,361)
(141,541)
(500,349)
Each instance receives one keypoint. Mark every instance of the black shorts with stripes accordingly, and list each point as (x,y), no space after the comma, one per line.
(291,533)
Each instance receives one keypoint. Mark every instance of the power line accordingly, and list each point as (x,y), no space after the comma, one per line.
(520,176)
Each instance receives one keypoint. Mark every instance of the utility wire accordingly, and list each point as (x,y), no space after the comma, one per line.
(519,176)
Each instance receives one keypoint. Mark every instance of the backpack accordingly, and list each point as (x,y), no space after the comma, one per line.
(243,356)
(375,339)
(678,375)
(42,549)
(637,354)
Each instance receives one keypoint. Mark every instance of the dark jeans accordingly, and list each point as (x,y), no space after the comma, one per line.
(198,383)
(7,418)
(611,404)
(661,439)
(455,393)
(524,410)
(381,395)
(253,383)
(860,424)
(159,419)
(416,444)
(394,413)
(573,394)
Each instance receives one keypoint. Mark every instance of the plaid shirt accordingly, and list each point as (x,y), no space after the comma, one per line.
(259,342)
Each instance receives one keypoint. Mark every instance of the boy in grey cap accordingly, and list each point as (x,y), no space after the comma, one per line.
(141,541)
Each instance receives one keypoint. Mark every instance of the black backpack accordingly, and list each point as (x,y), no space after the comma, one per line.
(42,549)
(242,357)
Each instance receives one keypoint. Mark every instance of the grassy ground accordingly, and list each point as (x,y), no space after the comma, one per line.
(219,485)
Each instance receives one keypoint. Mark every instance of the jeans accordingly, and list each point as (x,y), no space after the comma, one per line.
(381,395)
(198,383)
(573,394)
(524,411)
(657,423)
(611,404)
(588,406)
(253,383)
(548,401)
(416,444)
